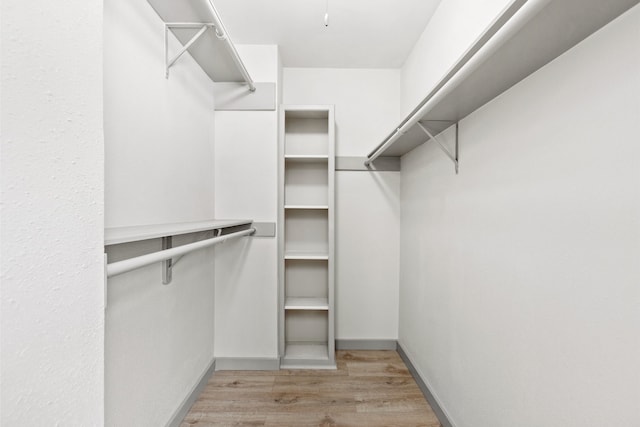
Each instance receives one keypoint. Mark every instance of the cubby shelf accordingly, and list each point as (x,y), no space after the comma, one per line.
(303,351)
(306,158)
(315,207)
(299,303)
(306,255)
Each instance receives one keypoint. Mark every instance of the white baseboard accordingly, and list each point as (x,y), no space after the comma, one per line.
(433,401)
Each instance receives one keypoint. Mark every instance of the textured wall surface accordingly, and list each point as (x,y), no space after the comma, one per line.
(52,273)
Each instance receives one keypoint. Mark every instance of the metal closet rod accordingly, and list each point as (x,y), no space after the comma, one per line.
(507,24)
(222,33)
(120,267)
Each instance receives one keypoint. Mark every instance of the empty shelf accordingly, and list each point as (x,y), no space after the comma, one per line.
(299,303)
(325,207)
(306,255)
(306,158)
(310,351)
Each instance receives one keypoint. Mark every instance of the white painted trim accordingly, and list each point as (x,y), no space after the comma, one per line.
(189,400)
(247,364)
(427,390)
(264,229)
(361,344)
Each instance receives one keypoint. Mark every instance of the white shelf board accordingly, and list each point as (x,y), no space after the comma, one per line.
(316,207)
(117,235)
(300,303)
(306,255)
(556,28)
(209,51)
(311,351)
(306,158)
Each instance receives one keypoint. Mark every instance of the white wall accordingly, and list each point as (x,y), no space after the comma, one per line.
(51,262)
(246,177)
(454,26)
(159,136)
(367,203)
(366,102)
(519,289)
(159,132)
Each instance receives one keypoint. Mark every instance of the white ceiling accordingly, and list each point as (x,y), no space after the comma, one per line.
(361,33)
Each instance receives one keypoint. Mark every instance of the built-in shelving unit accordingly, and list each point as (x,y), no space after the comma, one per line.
(306,241)
(528,35)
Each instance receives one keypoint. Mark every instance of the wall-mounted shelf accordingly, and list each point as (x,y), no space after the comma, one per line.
(528,35)
(197,25)
(169,255)
(118,235)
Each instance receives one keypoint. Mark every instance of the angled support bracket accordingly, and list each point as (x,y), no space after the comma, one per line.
(167,264)
(453,156)
(169,25)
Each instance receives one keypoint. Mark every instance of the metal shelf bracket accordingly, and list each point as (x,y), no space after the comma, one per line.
(167,264)
(168,63)
(453,156)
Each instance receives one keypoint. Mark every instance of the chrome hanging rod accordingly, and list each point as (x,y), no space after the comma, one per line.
(120,267)
(502,28)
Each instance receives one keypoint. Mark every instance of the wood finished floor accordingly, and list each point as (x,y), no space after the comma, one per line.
(369,389)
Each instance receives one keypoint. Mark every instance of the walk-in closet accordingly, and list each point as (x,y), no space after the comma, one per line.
(320,213)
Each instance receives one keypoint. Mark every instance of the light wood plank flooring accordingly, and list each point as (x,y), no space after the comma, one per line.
(369,388)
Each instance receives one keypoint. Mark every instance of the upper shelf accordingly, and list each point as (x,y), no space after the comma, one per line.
(214,50)
(528,35)
(117,235)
